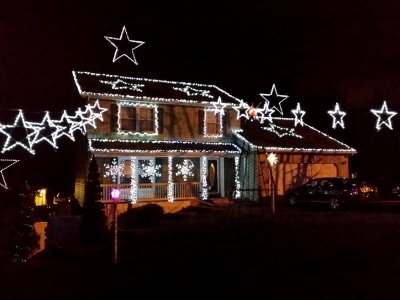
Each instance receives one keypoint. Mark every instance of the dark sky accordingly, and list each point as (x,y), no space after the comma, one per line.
(317,52)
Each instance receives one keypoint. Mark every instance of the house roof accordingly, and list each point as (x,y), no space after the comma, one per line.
(155,146)
(114,86)
(282,135)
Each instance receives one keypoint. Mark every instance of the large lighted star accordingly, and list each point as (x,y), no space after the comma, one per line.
(298,115)
(123,44)
(5,164)
(48,132)
(19,134)
(384,116)
(337,116)
(274,99)
(219,107)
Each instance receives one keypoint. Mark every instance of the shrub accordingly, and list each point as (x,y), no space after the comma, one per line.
(145,216)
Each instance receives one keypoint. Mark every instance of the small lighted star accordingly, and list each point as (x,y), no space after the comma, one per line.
(298,115)
(96,111)
(124,43)
(241,110)
(122,85)
(5,164)
(274,99)
(282,131)
(337,116)
(67,124)
(384,116)
(219,106)
(194,92)
(48,132)
(266,113)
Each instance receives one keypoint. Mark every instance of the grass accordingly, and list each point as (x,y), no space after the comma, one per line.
(296,253)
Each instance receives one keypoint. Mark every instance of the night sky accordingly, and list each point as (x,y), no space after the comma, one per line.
(317,52)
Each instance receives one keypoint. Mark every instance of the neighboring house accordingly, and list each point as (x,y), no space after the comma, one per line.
(177,143)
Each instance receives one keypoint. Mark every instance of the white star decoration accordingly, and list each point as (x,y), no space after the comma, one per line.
(18,135)
(122,85)
(282,131)
(298,115)
(26,134)
(337,116)
(241,110)
(123,44)
(5,164)
(219,106)
(384,116)
(273,99)
(194,92)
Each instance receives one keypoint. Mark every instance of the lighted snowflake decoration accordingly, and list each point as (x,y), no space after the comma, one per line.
(272,159)
(384,116)
(113,170)
(150,170)
(185,169)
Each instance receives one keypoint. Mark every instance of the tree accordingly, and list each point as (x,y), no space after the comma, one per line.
(25,238)
(93,218)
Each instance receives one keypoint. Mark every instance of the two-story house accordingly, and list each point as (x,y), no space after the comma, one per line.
(177,143)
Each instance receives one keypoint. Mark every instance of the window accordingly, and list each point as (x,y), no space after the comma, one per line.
(212,122)
(136,119)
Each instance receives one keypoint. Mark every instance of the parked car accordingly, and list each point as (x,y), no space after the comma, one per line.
(62,197)
(335,191)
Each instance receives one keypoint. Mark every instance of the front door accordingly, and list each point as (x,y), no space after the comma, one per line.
(213,176)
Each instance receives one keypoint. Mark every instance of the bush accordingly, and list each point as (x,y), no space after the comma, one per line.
(145,216)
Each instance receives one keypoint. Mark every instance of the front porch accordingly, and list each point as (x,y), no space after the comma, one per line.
(138,192)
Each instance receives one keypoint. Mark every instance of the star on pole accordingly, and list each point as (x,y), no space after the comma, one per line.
(123,44)
(384,116)
(5,164)
(298,115)
(274,99)
(337,116)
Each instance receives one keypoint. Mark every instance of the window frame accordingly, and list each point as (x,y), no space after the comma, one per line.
(138,119)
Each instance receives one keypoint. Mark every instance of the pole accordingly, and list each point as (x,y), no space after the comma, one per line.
(272,188)
(115,233)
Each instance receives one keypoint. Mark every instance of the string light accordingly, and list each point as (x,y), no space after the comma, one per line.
(188,90)
(124,104)
(170,188)
(204,183)
(122,85)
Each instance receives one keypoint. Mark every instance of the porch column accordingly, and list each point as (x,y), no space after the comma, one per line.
(170,188)
(203,178)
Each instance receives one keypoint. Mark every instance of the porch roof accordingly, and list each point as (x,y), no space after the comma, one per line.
(283,136)
(132,88)
(156,146)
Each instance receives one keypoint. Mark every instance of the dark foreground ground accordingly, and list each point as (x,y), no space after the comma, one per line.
(242,252)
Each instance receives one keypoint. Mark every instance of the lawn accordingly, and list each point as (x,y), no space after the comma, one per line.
(296,253)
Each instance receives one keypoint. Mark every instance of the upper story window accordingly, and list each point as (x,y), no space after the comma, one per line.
(212,123)
(137,119)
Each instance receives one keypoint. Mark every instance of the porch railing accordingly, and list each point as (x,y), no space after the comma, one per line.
(152,191)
